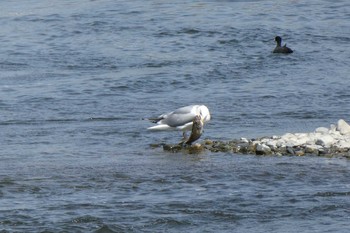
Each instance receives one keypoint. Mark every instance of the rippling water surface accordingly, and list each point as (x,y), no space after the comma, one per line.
(77,77)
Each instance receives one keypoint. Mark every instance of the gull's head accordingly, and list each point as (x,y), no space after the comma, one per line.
(204,113)
(199,118)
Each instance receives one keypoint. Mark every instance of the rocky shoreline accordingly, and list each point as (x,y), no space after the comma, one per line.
(329,142)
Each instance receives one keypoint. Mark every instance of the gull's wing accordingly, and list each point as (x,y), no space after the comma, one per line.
(180,116)
(178,119)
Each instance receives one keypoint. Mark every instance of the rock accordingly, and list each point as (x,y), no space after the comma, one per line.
(332,128)
(272,144)
(208,142)
(244,140)
(324,151)
(281,150)
(290,150)
(221,146)
(343,144)
(297,139)
(195,148)
(280,143)
(255,142)
(325,140)
(299,152)
(322,130)
(301,139)
(172,148)
(289,137)
(290,144)
(262,149)
(312,149)
(343,127)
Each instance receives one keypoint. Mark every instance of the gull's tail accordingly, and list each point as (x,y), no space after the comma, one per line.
(153,119)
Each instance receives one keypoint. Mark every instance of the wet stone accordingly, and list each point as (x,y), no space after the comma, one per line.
(299,152)
(190,149)
(262,149)
(290,150)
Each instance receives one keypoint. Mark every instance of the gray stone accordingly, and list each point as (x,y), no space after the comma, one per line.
(290,150)
(300,152)
(312,149)
(262,149)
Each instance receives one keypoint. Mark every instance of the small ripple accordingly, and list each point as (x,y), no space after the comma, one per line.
(189,31)
(6,181)
(12,65)
(160,64)
(305,114)
(60,121)
(166,222)
(112,229)
(332,194)
(86,219)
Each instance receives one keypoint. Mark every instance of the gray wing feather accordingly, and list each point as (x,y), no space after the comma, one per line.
(183,110)
(176,119)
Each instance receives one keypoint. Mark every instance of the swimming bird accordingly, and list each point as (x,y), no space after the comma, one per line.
(181,119)
(279,48)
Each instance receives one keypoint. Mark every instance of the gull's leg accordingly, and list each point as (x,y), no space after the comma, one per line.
(184,138)
(184,135)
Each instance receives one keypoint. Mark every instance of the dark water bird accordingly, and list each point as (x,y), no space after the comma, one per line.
(279,48)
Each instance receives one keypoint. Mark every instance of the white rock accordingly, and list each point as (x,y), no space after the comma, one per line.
(333,128)
(336,134)
(244,140)
(265,140)
(288,136)
(297,139)
(255,142)
(289,144)
(272,143)
(290,139)
(301,141)
(280,143)
(325,140)
(301,135)
(262,148)
(322,130)
(343,127)
(343,144)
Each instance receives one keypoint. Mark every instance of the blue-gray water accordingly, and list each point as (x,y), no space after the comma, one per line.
(77,77)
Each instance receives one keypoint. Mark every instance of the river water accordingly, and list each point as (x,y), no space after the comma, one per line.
(77,77)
